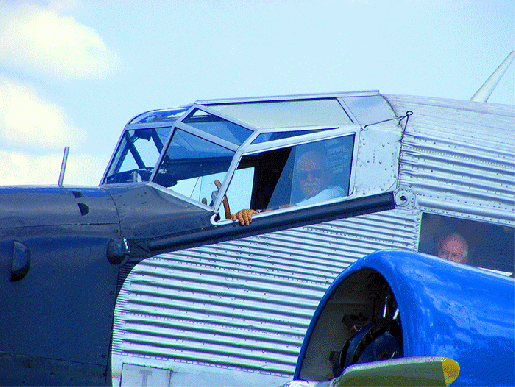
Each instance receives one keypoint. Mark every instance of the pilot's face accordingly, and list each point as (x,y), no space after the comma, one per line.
(453,249)
(312,174)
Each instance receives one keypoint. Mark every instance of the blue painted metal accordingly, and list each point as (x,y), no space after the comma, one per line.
(446,309)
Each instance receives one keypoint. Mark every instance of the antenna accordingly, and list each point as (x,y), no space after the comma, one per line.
(484,92)
(63,166)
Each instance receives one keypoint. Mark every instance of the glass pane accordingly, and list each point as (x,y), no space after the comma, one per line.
(271,136)
(217,126)
(137,155)
(191,166)
(469,242)
(322,170)
(286,114)
(300,175)
(168,115)
(239,192)
(369,110)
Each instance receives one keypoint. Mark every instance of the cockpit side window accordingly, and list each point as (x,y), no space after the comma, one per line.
(193,167)
(298,175)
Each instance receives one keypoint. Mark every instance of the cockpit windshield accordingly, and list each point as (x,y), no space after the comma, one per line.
(269,135)
(235,121)
(137,155)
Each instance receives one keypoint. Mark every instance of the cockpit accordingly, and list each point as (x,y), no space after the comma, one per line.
(246,153)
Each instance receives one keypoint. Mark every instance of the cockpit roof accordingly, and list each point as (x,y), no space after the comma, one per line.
(284,113)
(240,126)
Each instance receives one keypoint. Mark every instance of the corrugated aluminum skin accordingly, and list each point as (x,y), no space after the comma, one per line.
(246,304)
(459,157)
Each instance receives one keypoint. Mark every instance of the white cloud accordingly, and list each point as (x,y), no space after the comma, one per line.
(24,169)
(84,169)
(41,39)
(30,121)
(63,5)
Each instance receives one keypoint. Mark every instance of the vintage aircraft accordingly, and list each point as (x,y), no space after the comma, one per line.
(146,279)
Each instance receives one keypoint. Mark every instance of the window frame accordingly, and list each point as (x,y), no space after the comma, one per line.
(313,134)
(254,149)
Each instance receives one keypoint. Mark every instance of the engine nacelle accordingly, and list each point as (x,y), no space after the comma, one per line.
(394,304)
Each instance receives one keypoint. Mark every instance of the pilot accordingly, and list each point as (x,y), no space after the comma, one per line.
(453,248)
(313,178)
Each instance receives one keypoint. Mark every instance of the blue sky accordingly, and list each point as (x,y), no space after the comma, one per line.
(72,72)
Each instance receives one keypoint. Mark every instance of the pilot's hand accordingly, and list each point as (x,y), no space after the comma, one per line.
(244,216)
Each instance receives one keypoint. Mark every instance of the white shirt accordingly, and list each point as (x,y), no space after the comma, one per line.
(326,194)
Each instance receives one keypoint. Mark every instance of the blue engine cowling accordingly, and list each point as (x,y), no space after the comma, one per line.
(435,307)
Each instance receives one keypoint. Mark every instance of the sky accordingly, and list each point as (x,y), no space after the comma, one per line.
(73,73)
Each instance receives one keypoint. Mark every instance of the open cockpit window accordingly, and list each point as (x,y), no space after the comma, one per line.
(136,155)
(193,167)
(298,175)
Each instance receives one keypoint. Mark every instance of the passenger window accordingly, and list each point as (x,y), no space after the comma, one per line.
(299,175)
(479,244)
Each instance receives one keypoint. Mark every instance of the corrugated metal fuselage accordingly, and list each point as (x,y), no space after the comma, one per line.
(244,305)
